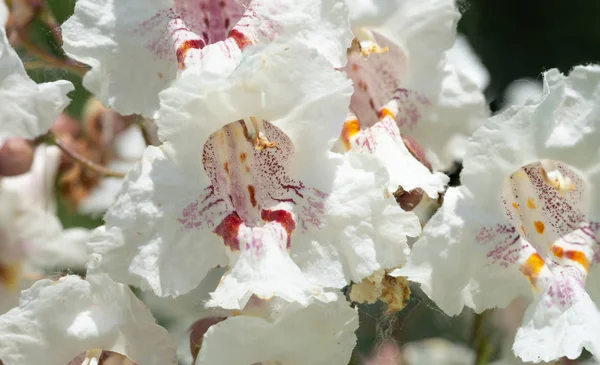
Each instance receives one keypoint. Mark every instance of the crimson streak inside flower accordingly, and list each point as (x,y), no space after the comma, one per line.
(248,182)
(194,24)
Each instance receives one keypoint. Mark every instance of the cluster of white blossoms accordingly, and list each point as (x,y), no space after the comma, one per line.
(300,168)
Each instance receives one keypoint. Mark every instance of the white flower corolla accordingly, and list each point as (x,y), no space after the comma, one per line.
(400,55)
(31,236)
(114,37)
(320,333)
(27,109)
(527,216)
(57,321)
(246,179)
(128,148)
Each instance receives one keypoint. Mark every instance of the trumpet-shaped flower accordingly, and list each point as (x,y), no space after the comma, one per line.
(169,35)
(27,109)
(399,58)
(246,179)
(57,321)
(525,221)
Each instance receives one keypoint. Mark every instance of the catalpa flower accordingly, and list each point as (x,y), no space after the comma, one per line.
(525,221)
(399,58)
(246,179)
(55,322)
(27,109)
(169,35)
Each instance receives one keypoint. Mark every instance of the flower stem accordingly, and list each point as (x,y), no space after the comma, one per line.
(52,139)
(479,340)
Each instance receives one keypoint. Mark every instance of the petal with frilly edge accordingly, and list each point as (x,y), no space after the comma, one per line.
(27,109)
(170,35)
(560,322)
(56,321)
(527,214)
(320,333)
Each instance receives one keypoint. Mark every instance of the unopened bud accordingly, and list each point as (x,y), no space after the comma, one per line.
(16,157)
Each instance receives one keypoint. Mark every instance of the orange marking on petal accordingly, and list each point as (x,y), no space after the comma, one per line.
(557,251)
(184,47)
(350,128)
(515,205)
(252,196)
(247,168)
(530,203)
(385,112)
(578,257)
(523,230)
(243,157)
(226,166)
(532,267)
(539,227)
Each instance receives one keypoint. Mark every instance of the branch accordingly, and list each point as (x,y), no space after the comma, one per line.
(52,139)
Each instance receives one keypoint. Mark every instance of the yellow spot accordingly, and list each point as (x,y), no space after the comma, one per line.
(530,203)
(539,226)
(350,128)
(373,49)
(384,113)
(557,251)
(578,257)
(523,230)
(532,267)
(515,205)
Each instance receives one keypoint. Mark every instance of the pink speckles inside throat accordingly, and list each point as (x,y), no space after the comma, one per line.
(252,192)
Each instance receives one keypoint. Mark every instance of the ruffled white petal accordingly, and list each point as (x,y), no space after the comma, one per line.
(27,109)
(364,230)
(56,321)
(560,322)
(144,243)
(322,333)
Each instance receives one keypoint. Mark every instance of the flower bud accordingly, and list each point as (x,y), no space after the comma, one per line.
(16,157)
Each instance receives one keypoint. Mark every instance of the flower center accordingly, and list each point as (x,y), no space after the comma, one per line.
(252,191)
(545,203)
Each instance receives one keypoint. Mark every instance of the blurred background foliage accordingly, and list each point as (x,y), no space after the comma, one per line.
(513,38)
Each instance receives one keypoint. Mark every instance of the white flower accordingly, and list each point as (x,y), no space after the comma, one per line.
(402,59)
(526,216)
(27,109)
(32,237)
(56,321)
(136,48)
(247,179)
